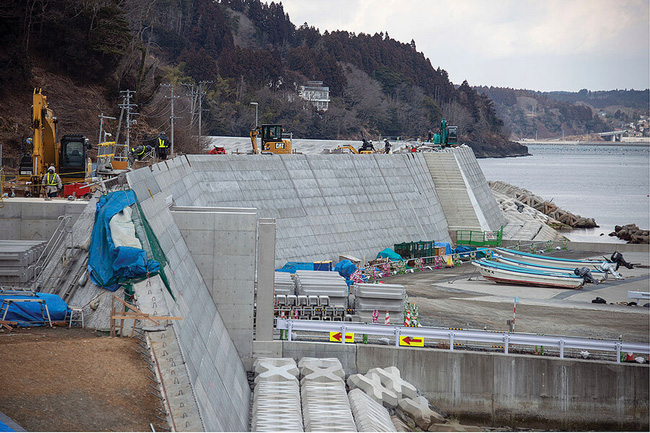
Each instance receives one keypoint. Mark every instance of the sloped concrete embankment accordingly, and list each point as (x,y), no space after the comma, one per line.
(324,205)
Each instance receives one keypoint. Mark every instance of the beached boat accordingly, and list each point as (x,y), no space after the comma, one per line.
(502,273)
(598,272)
(546,260)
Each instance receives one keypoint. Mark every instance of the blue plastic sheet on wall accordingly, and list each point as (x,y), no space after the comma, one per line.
(109,266)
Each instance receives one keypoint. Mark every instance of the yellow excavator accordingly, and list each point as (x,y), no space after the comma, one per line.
(69,156)
(271,140)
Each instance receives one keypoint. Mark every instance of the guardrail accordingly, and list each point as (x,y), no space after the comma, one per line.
(452,336)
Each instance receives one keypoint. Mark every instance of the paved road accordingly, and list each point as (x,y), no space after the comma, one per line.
(459,297)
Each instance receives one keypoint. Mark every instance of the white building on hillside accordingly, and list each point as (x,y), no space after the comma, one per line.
(316,93)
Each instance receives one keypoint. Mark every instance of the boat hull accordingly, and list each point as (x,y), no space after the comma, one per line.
(509,276)
(546,261)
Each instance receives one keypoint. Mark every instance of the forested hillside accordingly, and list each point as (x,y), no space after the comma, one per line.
(228,53)
(529,114)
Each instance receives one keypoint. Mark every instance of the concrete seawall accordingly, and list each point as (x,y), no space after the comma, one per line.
(499,389)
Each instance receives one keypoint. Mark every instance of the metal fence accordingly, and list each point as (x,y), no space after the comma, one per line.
(478,238)
(502,338)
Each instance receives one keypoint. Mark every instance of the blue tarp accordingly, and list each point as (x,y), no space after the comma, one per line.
(292,267)
(29,313)
(447,245)
(345,268)
(109,266)
(392,255)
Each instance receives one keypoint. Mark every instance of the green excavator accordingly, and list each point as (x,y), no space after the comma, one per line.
(448,135)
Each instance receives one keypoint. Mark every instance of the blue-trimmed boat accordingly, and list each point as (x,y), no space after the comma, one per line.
(509,274)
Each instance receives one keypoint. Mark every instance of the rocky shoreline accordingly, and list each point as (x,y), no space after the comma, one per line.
(631,233)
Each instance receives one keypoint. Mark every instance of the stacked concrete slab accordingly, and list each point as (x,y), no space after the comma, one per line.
(380,297)
(325,404)
(17,260)
(464,193)
(324,205)
(284,284)
(323,283)
(276,399)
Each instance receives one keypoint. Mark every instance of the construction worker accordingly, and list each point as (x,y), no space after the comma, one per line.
(52,183)
(386,146)
(138,152)
(162,145)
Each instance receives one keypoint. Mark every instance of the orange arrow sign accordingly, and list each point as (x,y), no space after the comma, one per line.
(336,336)
(409,341)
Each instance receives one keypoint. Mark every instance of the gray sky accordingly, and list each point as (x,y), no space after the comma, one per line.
(525,44)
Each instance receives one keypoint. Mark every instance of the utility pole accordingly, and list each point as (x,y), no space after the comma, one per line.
(101,126)
(171,117)
(127,105)
(201,93)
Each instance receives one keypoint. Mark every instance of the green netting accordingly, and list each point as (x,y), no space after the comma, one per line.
(150,244)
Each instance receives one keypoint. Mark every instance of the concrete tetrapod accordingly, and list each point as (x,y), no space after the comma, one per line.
(276,407)
(325,404)
(418,409)
(276,369)
(371,385)
(390,377)
(369,415)
(321,370)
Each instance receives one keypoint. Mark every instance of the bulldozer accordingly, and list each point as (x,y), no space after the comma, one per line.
(68,156)
(271,140)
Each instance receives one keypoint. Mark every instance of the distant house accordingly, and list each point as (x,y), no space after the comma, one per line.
(317,94)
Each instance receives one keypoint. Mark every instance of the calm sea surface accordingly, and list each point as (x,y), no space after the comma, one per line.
(608,183)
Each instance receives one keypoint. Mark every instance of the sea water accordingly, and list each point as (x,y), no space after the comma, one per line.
(608,183)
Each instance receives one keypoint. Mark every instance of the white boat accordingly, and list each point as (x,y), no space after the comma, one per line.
(501,273)
(547,261)
(598,272)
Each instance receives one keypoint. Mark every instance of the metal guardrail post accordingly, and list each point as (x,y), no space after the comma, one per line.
(561,349)
(342,333)
(290,329)
(451,340)
(618,352)
(506,343)
(397,336)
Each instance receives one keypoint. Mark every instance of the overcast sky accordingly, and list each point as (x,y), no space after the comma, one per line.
(525,44)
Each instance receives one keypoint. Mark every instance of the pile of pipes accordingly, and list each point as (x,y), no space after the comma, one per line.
(284,284)
(323,283)
(18,261)
(380,297)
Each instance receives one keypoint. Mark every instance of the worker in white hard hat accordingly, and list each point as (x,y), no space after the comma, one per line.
(52,183)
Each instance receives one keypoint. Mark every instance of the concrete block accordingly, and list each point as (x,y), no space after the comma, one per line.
(371,385)
(418,409)
(369,416)
(275,369)
(391,379)
(321,370)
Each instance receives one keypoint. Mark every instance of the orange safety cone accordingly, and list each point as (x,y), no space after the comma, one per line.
(407,321)
(387,319)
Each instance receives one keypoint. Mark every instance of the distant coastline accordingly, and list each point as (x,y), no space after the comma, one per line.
(585,143)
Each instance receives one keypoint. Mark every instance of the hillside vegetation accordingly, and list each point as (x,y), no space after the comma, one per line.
(530,114)
(227,53)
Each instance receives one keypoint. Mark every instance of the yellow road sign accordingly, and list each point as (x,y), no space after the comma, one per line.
(336,336)
(410,341)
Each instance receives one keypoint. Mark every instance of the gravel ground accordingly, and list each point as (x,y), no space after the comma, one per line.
(460,298)
(60,379)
